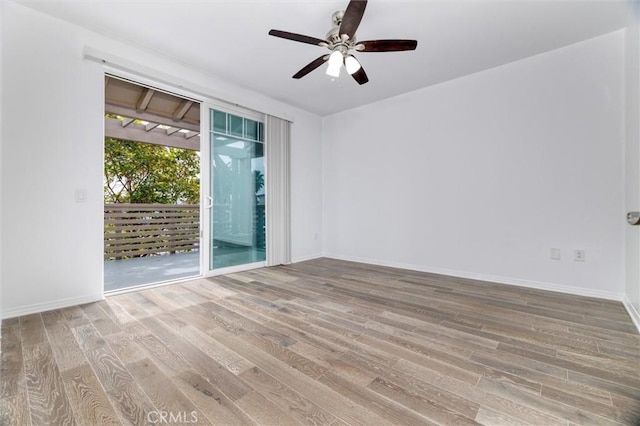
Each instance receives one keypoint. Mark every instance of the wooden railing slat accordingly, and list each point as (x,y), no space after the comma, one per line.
(133,230)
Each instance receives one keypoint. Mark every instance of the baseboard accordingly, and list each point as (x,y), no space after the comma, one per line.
(305,258)
(48,306)
(560,288)
(633,313)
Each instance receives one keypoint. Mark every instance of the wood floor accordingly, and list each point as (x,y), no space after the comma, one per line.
(325,342)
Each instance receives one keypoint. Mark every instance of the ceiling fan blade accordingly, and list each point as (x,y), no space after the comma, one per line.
(311,66)
(360,76)
(297,37)
(387,45)
(352,17)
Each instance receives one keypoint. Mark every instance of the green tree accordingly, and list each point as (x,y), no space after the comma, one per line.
(136,172)
(258,177)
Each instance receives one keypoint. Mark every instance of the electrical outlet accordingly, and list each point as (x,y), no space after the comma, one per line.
(579,256)
(555,254)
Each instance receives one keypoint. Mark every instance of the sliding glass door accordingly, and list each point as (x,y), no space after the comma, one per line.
(236,200)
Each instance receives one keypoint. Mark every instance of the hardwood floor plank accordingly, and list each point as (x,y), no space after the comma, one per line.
(263,411)
(222,378)
(561,410)
(88,337)
(161,390)
(74,315)
(468,365)
(14,411)
(326,342)
(90,404)
(99,318)
(546,375)
(299,407)
(613,387)
(419,402)
(404,353)
(11,364)
(66,349)
(384,407)
(622,366)
(131,403)
(219,353)
(524,413)
(209,400)
(125,346)
(129,306)
(32,330)
(487,416)
(411,383)
(110,370)
(10,322)
(600,409)
(318,393)
(168,361)
(48,400)
(609,375)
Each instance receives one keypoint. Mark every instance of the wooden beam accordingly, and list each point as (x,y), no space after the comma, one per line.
(182,109)
(138,132)
(144,99)
(150,117)
(151,126)
(172,130)
(126,122)
(190,135)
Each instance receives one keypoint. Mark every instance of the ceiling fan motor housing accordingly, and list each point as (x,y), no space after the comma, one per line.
(334,41)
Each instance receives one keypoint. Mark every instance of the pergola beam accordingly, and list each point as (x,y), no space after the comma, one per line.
(150,117)
(181,110)
(144,99)
(138,132)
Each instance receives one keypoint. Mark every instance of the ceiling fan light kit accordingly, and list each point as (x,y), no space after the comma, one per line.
(341,40)
(351,64)
(335,64)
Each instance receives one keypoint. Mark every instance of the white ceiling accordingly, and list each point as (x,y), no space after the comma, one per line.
(229,39)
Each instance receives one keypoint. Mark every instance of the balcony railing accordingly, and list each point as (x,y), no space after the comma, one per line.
(135,230)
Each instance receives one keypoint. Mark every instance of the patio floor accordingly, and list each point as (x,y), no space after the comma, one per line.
(126,273)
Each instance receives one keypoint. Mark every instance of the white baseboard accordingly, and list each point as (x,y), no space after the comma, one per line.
(633,313)
(37,308)
(560,288)
(305,258)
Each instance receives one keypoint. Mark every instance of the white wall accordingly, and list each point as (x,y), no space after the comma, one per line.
(53,145)
(306,188)
(481,176)
(632,161)
(1,96)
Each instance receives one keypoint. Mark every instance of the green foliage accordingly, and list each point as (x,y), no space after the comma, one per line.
(259,180)
(137,172)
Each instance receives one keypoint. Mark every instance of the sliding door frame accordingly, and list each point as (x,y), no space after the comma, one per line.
(206,199)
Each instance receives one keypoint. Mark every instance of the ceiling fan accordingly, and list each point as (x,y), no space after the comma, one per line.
(341,40)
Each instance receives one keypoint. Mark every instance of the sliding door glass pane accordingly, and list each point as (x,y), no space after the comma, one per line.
(237,173)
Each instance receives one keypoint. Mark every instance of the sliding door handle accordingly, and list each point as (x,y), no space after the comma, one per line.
(209,202)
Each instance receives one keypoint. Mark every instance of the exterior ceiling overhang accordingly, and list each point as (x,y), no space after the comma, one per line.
(151,116)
